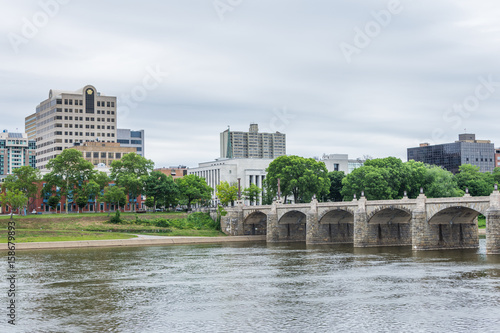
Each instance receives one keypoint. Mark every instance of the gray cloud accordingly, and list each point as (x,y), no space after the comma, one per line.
(265,56)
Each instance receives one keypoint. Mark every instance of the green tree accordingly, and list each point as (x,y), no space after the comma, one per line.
(161,188)
(299,177)
(150,202)
(129,172)
(335,185)
(252,193)
(114,194)
(193,188)
(81,199)
(171,193)
(15,199)
(396,175)
(440,183)
(477,182)
(227,193)
(372,180)
(69,170)
(267,194)
(26,180)
(496,175)
(54,201)
(92,190)
(102,179)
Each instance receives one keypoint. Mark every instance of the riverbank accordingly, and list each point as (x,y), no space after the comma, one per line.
(141,240)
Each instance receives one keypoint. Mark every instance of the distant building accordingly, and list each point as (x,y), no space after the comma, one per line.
(467,150)
(341,162)
(252,144)
(30,126)
(248,170)
(69,117)
(497,157)
(174,171)
(129,138)
(101,154)
(16,150)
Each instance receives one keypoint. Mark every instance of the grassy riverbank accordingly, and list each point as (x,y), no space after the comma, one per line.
(96,226)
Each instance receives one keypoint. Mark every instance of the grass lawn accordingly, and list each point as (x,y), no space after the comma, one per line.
(92,226)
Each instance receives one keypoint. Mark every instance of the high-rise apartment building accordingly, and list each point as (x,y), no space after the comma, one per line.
(69,117)
(252,144)
(16,150)
(129,138)
(467,150)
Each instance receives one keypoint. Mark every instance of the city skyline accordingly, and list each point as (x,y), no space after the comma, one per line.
(371,78)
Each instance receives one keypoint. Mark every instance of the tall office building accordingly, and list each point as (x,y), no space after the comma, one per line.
(16,150)
(252,144)
(129,138)
(69,117)
(467,150)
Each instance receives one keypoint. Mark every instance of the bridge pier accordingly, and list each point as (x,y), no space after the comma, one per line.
(313,234)
(232,223)
(493,224)
(361,229)
(272,235)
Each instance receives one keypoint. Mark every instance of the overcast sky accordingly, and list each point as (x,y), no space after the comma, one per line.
(353,77)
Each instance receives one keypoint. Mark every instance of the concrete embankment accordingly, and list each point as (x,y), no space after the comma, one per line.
(139,241)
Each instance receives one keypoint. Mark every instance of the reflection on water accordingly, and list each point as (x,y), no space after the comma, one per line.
(258,287)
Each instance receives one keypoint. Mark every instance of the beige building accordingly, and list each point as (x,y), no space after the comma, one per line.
(103,152)
(69,117)
(252,144)
(30,126)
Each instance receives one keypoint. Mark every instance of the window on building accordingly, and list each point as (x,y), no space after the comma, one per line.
(135,134)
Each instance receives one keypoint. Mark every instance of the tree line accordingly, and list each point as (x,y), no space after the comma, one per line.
(74,179)
(378,179)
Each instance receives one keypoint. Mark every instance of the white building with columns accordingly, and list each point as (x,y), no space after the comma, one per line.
(248,170)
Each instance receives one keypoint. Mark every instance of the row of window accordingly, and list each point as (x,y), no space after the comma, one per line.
(80,102)
(112,120)
(103,155)
(81,111)
(87,134)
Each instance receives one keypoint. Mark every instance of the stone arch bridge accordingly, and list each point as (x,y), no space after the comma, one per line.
(423,223)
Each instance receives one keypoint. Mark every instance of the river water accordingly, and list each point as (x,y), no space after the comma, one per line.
(256,288)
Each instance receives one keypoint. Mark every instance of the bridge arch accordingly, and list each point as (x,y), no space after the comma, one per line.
(292,226)
(390,225)
(293,217)
(389,215)
(455,214)
(255,224)
(455,227)
(336,216)
(337,226)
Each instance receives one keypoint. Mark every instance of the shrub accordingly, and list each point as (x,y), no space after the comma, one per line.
(116,219)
